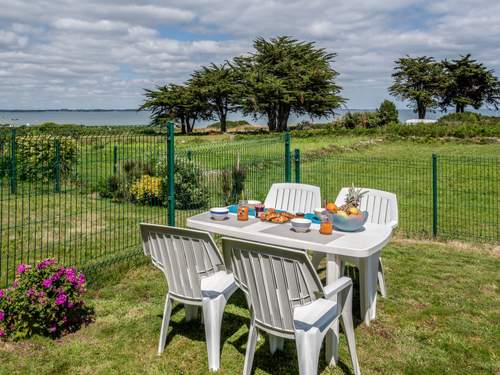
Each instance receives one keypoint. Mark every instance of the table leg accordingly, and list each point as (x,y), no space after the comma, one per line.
(333,272)
(368,272)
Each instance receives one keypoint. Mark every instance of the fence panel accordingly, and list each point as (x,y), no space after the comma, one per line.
(72,200)
(80,199)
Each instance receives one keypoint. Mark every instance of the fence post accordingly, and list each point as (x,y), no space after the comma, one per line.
(297,166)
(288,159)
(115,159)
(170,173)
(13,163)
(434,196)
(57,166)
(190,155)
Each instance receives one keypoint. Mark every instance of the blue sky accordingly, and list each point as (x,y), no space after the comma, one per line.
(102,53)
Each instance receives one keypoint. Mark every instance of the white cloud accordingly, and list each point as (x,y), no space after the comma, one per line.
(102,53)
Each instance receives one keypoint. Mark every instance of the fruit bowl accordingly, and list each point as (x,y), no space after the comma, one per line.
(349,223)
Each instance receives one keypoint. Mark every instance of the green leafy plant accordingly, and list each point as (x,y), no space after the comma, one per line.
(36,157)
(233,184)
(44,300)
(387,113)
(366,120)
(190,191)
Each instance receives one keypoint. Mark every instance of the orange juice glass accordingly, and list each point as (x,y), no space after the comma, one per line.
(243,213)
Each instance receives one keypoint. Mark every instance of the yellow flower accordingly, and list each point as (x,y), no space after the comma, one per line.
(146,188)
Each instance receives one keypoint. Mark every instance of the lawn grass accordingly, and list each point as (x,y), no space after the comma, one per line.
(441,317)
(78,227)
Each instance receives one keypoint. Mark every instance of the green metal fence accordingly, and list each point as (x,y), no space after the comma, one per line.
(80,199)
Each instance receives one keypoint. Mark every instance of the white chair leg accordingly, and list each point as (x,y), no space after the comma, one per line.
(349,331)
(213,310)
(167,310)
(316,259)
(308,349)
(276,343)
(251,344)
(381,279)
(191,312)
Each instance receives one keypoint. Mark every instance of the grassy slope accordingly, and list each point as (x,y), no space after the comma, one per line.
(439,318)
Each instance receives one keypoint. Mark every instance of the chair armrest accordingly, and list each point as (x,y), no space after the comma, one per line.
(331,290)
(393,224)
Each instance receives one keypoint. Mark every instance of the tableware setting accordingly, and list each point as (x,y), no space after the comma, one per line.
(301,225)
(219,213)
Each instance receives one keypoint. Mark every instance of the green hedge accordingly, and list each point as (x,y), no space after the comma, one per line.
(36,157)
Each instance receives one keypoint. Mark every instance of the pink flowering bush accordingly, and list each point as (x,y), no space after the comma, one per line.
(44,300)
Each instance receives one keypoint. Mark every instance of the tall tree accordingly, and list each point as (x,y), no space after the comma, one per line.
(176,102)
(469,83)
(217,85)
(418,80)
(285,76)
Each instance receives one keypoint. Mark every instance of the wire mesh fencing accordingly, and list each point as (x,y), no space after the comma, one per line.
(80,198)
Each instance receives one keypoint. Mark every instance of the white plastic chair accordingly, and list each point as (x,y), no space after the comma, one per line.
(196,276)
(293,197)
(382,208)
(287,300)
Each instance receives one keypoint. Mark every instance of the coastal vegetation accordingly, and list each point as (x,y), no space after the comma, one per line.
(283,76)
(429,84)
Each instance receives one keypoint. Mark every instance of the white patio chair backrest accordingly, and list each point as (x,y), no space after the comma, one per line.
(184,256)
(382,206)
(276,280)
(293,197)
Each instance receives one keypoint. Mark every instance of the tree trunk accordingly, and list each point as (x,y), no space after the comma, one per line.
(283,114)
(271,120)
(183,125)
(421,110)
(459,108)
(222,120)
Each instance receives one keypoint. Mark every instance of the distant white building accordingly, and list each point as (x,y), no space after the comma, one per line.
(415,121)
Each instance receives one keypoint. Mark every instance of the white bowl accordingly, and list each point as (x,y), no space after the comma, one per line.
(319,211)
(300,224)
(219,213)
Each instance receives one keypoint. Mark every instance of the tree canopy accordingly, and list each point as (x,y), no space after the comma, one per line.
(176,102)
(418,80)
(469,83)
(217,86)
(285,76)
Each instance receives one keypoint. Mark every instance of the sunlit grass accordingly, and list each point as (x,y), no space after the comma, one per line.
(440,317)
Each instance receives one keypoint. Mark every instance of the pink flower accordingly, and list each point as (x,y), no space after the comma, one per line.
(71,276)
(30,293)
(81,279)
(15,284)
(53,328)
(45,263)
(41,294)
(2,293)
(23,267)
(61,299)
(2,333)
(47,283)
(2,315)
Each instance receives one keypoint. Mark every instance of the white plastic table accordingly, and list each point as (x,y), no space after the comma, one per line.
(365,245)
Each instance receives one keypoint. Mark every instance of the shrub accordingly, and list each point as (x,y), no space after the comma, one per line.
(147,189)
(460,118)
(36,157)
(190,192)
(366,120)
(111,187)
(233,184)
(44,300)
(387,113)
(135,169)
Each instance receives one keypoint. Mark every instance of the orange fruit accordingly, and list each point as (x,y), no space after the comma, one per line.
(332,207)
